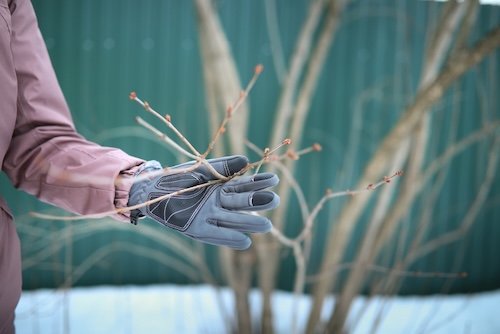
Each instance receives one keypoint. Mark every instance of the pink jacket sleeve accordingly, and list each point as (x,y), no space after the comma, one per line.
(46,156)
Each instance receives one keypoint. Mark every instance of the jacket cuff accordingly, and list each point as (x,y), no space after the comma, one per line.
(122,191)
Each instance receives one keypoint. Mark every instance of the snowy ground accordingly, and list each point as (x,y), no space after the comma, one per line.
(195,309)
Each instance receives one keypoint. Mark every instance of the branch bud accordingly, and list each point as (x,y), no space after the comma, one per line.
(132,96)
(292,155)
(258,69)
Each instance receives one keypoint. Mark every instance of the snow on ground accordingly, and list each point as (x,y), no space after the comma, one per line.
(196,309)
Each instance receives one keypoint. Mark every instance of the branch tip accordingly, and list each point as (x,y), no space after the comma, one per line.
(317,147)
(132,96)
(258,69)
(287,141)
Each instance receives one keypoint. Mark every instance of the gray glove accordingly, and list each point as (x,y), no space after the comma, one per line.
(210,214)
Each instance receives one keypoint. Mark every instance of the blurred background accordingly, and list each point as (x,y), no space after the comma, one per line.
(378,57)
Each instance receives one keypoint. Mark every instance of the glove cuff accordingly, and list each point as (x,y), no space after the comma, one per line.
(149,166)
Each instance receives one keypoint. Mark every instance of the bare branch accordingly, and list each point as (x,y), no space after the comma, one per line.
(164,137)
(275,39)
(430,171)
(455,68)
(426,97)
(233,108)
(222,81)
(456,149)
(125,209)
(472,212)
(382,270)
(297,63)
(165,120)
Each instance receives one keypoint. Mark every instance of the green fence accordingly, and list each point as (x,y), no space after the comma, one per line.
(102,50)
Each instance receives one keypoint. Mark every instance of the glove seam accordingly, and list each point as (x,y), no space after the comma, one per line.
(191,218)
(150,165)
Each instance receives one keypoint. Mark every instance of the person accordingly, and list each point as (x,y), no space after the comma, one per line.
(42,154)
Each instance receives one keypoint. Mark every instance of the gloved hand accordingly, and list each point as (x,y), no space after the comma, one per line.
(210,214)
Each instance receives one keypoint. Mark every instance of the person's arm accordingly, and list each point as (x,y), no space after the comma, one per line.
(46,156)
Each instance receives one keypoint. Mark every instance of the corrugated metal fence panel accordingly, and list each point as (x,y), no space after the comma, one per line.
(102,50)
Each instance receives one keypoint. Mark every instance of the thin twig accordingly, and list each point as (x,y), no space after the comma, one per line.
(329,195)
(164,137)
(125,209)
(165,120)
(232,109)
(383,270)
(276,161)
(268,154)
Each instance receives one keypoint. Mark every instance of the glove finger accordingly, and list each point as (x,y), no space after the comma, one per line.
(249,201)
(245,194)
(251,183)
(241,222)
(226,166)
(214,235)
